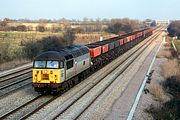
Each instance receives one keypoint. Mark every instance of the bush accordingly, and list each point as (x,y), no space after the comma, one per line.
(4,53)
(118,28)
(32,49)
(3,25)
(21,28)
(167,111)
(51,43)
(40,28)
(172,86)
(174,28)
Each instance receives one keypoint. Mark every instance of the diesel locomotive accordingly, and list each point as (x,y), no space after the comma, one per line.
(58,71)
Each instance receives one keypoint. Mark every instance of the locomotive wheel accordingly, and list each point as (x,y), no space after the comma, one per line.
(54,92)
(70,83)
(43,92)
(75,80)
(92,69)
(65,86)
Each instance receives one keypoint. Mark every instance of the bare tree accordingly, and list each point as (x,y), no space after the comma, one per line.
(126,25)
(41,28)
(3,25)
(174,28)
(64,24)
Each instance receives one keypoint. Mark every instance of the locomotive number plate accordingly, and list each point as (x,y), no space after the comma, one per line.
(45,77)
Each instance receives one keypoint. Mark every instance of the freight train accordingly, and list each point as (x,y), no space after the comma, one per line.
(58,71)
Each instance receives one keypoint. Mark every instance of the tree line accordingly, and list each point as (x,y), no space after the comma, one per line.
(23,28)
(174,28)
(116,26)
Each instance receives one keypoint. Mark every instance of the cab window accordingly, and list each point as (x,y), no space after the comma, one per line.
(39,64)
(52,64)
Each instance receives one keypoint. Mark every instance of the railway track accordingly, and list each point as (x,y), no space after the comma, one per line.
(15,74)
(14,86)
(9,74)
(84,102)
(28,108)
(68,103)
(12,81)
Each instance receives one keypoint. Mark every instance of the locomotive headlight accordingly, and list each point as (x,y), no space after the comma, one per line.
(51,72)
(35,77)
(55,77)
(45,71)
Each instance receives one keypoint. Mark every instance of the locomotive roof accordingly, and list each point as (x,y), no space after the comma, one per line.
(51,55)
(64,54)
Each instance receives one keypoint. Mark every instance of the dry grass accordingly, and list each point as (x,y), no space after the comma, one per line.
(164,54)
(87,38)
(167,45)
(91,38)
(12,64)
(33,25)
(170,68)
(158,92)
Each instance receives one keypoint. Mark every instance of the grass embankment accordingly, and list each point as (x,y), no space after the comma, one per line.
(13,44)
(167,93)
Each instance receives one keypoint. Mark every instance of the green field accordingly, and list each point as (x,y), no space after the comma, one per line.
(177,44)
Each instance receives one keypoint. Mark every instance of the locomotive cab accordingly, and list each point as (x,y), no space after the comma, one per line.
(48,71)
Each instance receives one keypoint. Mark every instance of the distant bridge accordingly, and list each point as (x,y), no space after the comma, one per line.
(162,22)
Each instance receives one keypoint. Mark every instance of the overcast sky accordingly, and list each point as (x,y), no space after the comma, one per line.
(78,9)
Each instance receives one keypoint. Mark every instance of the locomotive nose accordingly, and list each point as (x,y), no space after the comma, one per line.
(46,76)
